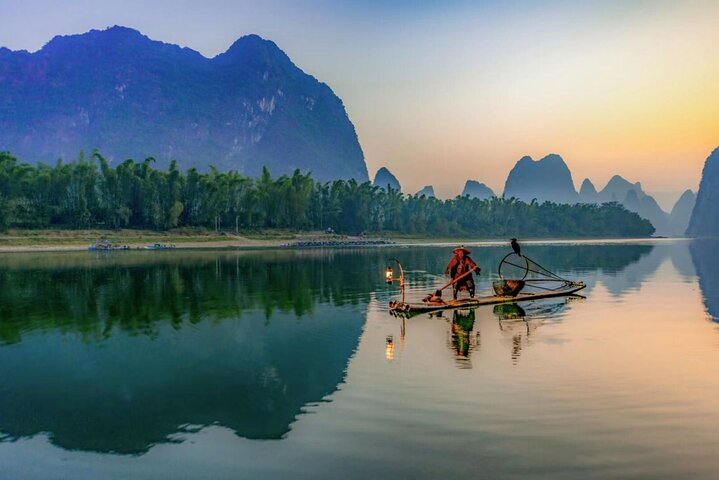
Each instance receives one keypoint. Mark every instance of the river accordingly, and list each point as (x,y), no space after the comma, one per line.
(287,364)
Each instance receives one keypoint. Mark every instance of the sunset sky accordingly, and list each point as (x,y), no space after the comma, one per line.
(444,91)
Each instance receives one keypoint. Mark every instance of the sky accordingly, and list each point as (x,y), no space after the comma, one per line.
(445,91)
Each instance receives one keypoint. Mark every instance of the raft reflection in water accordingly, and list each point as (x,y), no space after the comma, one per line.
(464,337)
(520,323)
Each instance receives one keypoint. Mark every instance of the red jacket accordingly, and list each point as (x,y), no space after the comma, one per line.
(457,267)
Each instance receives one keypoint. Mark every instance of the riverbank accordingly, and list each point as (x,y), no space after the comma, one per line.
(79,240)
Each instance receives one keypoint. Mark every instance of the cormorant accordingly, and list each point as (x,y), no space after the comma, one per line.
(515,247)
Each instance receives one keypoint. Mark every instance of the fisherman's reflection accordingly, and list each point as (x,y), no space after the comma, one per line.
(463,341)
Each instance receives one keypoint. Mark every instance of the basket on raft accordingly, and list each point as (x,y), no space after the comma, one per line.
(508,288)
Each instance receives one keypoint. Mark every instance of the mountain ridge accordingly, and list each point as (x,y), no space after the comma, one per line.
(384,178)
(132,97)
(704,221)
(475,189)
(427,191)
(546,179)
(550,179)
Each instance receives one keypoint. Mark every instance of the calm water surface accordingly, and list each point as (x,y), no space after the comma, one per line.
(279,364)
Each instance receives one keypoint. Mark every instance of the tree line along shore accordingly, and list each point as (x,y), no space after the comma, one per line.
(89,193)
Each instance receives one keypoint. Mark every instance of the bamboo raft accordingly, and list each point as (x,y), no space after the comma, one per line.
(568,289)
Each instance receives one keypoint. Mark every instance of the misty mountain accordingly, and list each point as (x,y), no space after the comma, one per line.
(645,205)
(384,178)
(133,97)
(475,189)
(427,191)
(617,189)
(704,221)
(587,192)
(634,198)
(548,179)
(681,213)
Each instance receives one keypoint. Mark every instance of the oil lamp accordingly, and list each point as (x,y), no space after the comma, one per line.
(389,276)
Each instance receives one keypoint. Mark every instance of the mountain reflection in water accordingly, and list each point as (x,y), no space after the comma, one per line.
(705,256)
(148,347)
(120,352)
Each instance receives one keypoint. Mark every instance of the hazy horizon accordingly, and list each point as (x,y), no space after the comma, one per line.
(444,93)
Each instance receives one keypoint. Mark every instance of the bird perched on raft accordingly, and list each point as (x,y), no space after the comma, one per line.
(516,248)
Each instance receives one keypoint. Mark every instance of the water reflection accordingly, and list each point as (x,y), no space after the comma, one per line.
(121,356)
(137,293)
(509,311)
(705,257)
(117,353)
(126,393)
(519,323)
(463,341)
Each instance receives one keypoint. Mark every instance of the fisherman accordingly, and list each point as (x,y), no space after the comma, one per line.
(460,269)
(434,299)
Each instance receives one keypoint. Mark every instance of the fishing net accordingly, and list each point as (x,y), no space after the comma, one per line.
(513,267)
(521,267)
(517,271)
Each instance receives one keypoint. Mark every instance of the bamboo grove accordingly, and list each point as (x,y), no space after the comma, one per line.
(90,193)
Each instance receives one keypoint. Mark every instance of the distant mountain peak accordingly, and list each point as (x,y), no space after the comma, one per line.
(681,212)
(705,215)
(587,188)
(130,96)
(684,206)
(121,30)
(553,158)
(617,188)
(475,189)
(427,191)
(384,178)
(526,159)
(253,44)
(587,192)
(687,195)
(618,180)
(634,198)
(547,179)
(99,37)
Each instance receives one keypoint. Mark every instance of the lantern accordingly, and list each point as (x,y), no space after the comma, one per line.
(389,275)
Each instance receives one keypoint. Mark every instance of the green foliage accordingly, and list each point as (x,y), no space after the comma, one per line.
(90,193)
